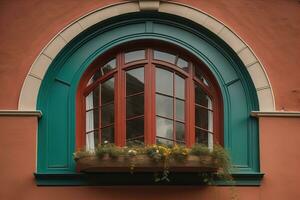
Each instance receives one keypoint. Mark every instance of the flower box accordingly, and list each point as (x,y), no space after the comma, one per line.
(143,163)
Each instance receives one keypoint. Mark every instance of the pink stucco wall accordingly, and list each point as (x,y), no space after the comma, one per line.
(271,28)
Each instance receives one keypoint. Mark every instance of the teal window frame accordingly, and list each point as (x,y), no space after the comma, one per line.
(57,97)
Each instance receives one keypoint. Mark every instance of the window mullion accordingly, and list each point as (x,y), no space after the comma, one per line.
(190,113)
(99,115)
(149,100)
(120,125)
(174,110)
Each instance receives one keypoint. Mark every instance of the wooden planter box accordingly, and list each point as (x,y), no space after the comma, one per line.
(142,163)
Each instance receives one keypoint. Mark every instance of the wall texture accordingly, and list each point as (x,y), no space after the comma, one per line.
(271,28)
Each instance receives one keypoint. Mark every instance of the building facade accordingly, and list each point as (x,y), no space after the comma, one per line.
(189,72)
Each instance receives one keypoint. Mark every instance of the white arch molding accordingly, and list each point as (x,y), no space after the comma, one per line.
(31,85)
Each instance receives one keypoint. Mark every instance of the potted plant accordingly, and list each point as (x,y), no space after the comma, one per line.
(154,158)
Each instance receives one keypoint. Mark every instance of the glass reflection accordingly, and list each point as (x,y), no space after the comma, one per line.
(164,106)
(135,129)
(97,74)
(91,140)
(134,81)
(164,128)
(107,135)
(182,64)
(204,118)
(167,57)
(179,110)
(164,81)
(180,131)
(134,105)
(200,75)
(107,91)
(201,98)
(135,55)
(179,87)
(162,141)
(109,66)
(201,136)
(107,114)
(92,120)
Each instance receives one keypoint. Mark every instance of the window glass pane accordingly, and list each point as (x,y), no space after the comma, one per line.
(90,142)
(107,114)
(201,98)
(135,129)
(182,64)
(134,55)
(89,103)
(164,141)
(179,87)
(97,74)
(164,106)
(134,81)
(167,57)
(164,128)
(107,135)
(201,136)
(92,120)
(199,74)
(180,110)
(109,66)
(134,105)
(203,118)
(107,91)
(164,81)
(180,131)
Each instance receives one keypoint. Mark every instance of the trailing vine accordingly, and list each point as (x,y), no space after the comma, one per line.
(162,155)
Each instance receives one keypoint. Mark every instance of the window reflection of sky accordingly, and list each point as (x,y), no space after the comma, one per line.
(164,128)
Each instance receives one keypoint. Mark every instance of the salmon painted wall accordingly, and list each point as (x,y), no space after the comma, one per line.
(279,161)
(271,28)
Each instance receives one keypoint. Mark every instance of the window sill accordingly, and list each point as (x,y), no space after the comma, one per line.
(139,178)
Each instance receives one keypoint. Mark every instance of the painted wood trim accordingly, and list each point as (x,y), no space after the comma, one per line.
(275,114)
(110,179)
(26,113)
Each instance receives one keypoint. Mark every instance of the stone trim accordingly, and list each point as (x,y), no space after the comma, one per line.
(152,5)
(25,113)
(31,85)
(275,114)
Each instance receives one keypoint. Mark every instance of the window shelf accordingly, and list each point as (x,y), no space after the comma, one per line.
(138,178)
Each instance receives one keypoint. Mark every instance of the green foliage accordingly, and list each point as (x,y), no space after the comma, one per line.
(200,150)
(158,152)
(221,156)
(216,158)
(180,153)
(110,150)
(81,154)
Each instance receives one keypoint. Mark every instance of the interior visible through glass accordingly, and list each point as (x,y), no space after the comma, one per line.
(170,107)
(170,111)
(135,106)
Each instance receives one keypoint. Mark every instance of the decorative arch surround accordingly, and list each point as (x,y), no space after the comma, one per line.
(31,86)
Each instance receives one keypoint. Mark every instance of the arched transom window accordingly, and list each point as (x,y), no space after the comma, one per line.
(146,94)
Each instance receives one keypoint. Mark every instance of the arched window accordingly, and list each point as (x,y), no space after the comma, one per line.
(150,94)
(91,82)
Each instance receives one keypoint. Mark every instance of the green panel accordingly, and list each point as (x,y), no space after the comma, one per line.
(57,146)
(238,124)
(56,137)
